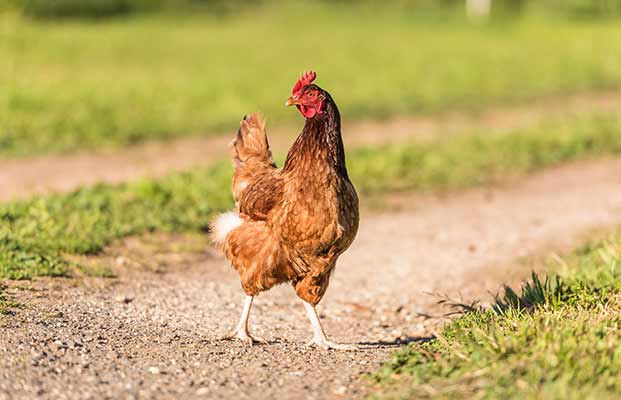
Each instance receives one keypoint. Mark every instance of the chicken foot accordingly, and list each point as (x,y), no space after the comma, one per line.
(319,336)
(241,331)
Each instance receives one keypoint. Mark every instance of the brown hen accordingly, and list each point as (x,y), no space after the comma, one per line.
(291,224)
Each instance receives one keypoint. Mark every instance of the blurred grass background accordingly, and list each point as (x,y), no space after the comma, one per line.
(112,8)
(91,73)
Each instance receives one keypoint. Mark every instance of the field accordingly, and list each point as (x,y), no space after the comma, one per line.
(510,176)
(79,84)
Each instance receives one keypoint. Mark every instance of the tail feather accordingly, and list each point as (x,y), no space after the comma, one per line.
(251,153)
(251,142)
(222,225)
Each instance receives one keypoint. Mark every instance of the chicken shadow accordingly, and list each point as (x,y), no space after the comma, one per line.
(379,344)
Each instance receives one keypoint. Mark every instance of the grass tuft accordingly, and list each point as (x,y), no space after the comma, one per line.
(533,293)
(7,305)
(557,339)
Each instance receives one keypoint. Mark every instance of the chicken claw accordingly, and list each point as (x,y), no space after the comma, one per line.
(319,336)
(245,337)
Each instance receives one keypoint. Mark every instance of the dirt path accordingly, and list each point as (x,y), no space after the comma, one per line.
(156,334)
(23,178)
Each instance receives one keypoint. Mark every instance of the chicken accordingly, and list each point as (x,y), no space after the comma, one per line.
(290,224)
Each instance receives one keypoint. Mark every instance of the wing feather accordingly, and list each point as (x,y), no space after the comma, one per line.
(261,195)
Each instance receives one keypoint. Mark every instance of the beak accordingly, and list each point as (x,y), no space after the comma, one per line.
(293,100)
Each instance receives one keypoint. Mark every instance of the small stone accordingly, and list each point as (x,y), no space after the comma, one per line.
(397,333)
(124,299)
(154,370)
(202,391)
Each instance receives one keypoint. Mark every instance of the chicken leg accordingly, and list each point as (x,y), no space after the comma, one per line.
(241,331)
(319,336)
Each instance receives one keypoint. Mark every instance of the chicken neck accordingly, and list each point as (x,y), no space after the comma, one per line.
(319,145)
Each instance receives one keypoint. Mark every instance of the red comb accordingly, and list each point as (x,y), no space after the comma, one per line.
(305,79)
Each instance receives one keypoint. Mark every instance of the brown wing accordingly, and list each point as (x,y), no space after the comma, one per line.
(263,193)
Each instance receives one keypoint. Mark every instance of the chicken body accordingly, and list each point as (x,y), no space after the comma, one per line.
(293,222)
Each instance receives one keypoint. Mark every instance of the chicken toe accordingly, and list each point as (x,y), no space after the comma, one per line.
(319,336)
(245,337)
(241,331)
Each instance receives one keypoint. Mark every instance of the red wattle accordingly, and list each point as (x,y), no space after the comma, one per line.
(307,112)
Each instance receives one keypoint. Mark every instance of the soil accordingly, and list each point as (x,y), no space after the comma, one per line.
(154,331)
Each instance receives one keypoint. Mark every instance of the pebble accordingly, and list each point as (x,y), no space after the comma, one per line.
(202,391)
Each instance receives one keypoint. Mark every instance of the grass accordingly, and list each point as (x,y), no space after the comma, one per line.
(558,339)
(479,158)
(6,303)
(36,234)
(85,84)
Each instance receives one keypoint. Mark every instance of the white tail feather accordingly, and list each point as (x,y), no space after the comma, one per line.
(223,224)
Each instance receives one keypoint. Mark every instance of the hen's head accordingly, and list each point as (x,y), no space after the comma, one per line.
(308,98)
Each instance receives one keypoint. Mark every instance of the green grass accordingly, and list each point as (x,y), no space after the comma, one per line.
(479,158)
(35,234)
(6,303)
(69,85)
(558,339)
